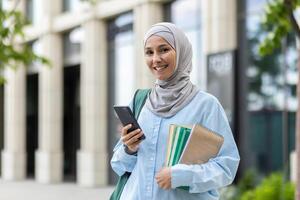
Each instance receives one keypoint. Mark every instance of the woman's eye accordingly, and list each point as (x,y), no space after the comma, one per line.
(165,50)
(148,53)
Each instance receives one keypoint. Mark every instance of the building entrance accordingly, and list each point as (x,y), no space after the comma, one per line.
(31,122)
(71,126)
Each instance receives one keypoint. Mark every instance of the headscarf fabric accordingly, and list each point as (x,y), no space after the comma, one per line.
(171,95)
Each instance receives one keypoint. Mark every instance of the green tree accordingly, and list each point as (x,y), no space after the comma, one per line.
(280,20)
(12,51)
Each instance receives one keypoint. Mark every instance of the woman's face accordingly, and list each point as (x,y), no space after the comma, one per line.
(160,57)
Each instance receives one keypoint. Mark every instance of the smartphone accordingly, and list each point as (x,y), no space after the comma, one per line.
(126,117)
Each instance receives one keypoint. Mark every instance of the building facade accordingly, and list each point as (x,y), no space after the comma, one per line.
(58,123)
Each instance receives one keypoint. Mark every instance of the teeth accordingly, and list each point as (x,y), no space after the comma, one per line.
(161,67)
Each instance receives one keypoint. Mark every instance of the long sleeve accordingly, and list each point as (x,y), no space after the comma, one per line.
(217,172)
(122,162)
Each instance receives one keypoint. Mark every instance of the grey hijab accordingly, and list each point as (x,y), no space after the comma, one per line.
(171,95)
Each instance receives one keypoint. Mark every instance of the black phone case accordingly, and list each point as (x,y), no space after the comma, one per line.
(126,117)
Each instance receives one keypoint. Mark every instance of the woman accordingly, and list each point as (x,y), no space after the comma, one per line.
(173,100)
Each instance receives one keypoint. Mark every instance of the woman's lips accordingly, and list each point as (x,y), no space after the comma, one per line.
(160,68)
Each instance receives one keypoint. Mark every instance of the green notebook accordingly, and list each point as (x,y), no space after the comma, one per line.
(191,145)
(178,136)
(177,141)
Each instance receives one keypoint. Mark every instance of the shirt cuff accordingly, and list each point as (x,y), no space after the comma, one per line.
(126,149)
(125,156)
(181,176)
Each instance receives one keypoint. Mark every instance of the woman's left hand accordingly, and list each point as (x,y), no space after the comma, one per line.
(163,178)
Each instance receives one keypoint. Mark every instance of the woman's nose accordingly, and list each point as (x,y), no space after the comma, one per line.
(156,57)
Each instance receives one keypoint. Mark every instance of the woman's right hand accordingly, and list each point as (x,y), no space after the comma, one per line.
(131,139)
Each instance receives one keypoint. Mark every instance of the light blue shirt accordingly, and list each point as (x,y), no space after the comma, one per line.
(204,180)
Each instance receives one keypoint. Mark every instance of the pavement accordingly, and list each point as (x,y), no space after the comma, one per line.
(31,190)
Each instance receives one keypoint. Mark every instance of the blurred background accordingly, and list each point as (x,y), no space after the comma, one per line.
(57,123)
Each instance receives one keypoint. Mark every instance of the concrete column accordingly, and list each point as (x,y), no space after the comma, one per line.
(219,27)
(92,159)
(145,15)
(14,153)
(13,158)
(49,156)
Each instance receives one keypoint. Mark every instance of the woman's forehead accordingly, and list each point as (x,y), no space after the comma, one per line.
(156,41)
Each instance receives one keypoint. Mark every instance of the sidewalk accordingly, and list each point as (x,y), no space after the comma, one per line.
(31,190)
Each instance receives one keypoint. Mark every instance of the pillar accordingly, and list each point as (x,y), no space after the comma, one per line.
(92,158)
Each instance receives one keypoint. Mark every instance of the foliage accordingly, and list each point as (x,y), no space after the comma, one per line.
(278,21)
(248,182)
(269,64)
(252,187)
(271,188)
(11,33)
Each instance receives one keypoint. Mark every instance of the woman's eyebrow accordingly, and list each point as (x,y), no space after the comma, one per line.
(162,45)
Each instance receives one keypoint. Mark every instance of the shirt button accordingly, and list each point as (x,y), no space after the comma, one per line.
(151,158)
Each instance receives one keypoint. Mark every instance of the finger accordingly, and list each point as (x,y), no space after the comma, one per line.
(132,134)
(132,144)
(137,143)
(136,137)
(165,185)
(139,135)
(159,183)
(159,180)
(125,129)
(134,141)
(125,137)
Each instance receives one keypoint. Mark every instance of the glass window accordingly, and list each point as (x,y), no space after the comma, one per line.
(33,10)
(271,97)
(37,49)
(266,87)
(186,15)
(29,10)
(5,4)
(121,72)
(71,5)
(122,60)
(71,46)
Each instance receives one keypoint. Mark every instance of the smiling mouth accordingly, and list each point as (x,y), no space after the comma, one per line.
(160,68)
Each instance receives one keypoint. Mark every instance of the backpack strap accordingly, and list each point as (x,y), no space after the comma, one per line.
(139,100)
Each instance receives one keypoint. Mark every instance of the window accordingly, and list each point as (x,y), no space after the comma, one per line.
(121,73)
(121,60)
(271,98)
(37,49)
(33,10)
(71,46)
(186,15)
(72,5)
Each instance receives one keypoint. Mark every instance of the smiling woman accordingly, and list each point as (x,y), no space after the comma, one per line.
(173,100)
(160,57)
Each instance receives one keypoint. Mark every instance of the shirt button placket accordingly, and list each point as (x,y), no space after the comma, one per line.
(152,155)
